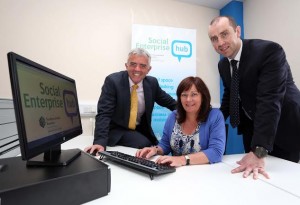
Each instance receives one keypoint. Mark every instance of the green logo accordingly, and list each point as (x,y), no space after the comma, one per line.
(42,122)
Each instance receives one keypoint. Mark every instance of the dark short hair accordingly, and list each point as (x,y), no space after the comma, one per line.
(201,87)
(231,20)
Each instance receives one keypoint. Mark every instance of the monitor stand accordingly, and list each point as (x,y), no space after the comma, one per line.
(55,157)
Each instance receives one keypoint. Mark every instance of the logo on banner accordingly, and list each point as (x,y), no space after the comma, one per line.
(181,49)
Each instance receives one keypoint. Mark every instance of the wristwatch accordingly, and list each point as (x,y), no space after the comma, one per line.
(187,159)
(260,152)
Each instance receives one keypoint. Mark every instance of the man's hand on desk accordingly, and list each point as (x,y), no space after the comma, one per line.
(94,149)
(251,164)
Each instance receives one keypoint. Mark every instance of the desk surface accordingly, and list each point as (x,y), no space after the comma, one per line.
(200,184)
(283,174)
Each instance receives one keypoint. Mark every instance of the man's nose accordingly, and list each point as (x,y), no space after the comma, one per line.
(138,67)
(220,42)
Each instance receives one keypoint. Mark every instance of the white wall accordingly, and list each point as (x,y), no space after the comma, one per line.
(89,39)
(278,21)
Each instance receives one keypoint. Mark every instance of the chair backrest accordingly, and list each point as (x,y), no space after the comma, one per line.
(9,141)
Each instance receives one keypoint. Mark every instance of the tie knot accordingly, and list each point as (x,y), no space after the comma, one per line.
(233,63)
(135,86)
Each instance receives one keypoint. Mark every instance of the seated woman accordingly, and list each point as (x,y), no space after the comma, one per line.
(194,133)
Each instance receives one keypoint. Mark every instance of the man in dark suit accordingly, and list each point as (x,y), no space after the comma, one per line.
(268,100)
(112,119)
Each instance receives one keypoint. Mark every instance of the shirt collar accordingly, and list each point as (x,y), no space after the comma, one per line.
(131,83)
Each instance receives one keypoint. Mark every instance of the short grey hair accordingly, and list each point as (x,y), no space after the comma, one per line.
(140,52)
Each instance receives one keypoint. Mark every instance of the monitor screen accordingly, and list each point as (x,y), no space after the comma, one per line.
(46,109)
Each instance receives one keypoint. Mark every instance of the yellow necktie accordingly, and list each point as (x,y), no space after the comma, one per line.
(133,108)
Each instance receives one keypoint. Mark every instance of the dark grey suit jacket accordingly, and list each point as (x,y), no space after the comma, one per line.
(267,93)
(114,108)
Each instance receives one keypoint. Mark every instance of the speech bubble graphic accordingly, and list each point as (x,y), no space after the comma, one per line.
(181,49)
(70,104)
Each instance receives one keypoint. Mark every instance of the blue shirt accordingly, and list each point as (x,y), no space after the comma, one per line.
(211,133)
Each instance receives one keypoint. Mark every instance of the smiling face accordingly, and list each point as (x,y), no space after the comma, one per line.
(137,67)
(191,100)
(224,37)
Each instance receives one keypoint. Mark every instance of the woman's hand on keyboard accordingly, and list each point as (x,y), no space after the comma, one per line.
(146,152)
(173,161)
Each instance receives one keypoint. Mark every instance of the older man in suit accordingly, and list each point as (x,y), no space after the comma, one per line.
(267,108)
(113,117)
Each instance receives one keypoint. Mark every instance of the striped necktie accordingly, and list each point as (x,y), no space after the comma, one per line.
(133,107)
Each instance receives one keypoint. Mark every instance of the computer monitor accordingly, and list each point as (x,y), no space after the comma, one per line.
(46,110)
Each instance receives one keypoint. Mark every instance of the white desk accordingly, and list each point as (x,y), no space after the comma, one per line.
(283,174)
(200,184)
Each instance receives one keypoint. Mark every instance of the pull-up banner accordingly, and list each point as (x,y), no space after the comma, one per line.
(173,52)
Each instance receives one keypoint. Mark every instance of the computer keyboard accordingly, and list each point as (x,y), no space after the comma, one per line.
(136,163)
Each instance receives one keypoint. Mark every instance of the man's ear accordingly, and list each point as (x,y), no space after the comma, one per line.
(238,31)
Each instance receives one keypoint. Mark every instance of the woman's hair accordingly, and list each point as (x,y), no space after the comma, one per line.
(205,107)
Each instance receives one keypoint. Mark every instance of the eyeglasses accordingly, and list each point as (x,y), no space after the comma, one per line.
(192,95)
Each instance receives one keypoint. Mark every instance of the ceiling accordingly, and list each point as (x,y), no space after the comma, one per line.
(215,4)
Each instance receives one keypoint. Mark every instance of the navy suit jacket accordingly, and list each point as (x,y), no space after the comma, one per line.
(267,93)
(114,108)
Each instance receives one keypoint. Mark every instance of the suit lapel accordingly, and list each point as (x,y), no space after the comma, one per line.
(126,94)
(244,59)
(148,95)
(225,71)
